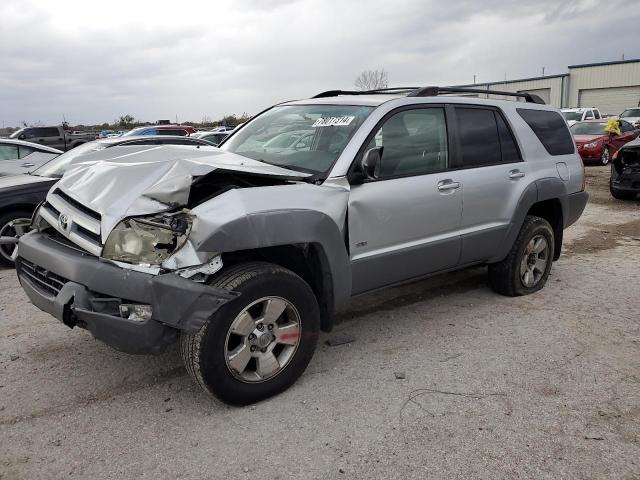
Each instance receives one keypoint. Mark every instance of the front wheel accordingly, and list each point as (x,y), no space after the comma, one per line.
(527,266)
(605,156)
(257,345)
(12,226)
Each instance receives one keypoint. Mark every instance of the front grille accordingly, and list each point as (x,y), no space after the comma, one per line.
(71,219)
(44,279)
(76,204)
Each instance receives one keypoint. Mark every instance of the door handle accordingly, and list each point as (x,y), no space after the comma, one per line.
(447,185)
(28,164)
(515,174)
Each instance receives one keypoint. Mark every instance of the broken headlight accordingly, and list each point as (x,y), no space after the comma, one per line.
(148,240)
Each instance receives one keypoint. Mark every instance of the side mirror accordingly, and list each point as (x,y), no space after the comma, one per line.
(22,137)
(370,163)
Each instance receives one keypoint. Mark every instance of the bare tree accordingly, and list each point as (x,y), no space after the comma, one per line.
(372,80)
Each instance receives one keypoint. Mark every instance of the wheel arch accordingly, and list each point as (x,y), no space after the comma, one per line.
(546,198)
(307,242)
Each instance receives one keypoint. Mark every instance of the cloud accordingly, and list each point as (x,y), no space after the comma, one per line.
(165,59)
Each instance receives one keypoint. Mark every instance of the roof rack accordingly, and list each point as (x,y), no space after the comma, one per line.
(429,92)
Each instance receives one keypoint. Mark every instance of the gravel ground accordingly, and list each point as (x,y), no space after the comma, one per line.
(544,386)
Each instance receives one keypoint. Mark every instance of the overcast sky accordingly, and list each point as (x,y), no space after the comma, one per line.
(189,59)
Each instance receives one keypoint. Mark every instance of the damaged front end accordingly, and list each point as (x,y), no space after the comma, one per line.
(625,170)
(125,263)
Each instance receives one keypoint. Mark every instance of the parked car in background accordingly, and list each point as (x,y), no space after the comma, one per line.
(176,130)
(596,145)
(243,256)
(624,183)
(214,137)
(54,137)
(573,115)
(631,115)
(18,156)
(293,141)
(20,194)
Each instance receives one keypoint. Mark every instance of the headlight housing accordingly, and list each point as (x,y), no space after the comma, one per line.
(148,240)
(591,145)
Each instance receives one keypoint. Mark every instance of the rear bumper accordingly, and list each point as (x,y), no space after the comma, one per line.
(81,290)
(576,202)
(626,182)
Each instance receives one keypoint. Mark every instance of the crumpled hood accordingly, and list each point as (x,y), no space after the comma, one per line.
(119,182)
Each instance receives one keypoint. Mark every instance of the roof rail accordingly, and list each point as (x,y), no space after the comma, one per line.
(435,91)
(430,92)
(377,91)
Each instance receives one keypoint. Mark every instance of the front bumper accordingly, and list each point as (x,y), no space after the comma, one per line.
(82,290)
(590,154)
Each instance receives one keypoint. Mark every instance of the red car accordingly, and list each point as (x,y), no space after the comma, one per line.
(596,145)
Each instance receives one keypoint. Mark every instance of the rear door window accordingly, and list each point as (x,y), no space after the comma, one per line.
(8,152)
(550,129)
(479,137)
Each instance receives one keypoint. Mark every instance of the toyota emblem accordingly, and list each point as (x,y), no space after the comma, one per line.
(63,221)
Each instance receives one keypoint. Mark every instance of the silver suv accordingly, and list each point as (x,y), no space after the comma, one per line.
(243,254)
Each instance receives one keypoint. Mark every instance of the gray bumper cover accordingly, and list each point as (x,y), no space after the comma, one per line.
(93,290)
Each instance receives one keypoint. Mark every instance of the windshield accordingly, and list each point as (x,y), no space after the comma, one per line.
(17,133)
(308,138)
(632,112)
(568,116)
(588,128)
(56,167)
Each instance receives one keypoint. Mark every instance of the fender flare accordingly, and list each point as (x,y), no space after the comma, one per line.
(289,227)
(549,188)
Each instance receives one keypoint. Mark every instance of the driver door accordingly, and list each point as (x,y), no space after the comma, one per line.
(404,223)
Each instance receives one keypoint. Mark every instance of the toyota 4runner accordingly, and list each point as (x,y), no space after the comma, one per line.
(243,254)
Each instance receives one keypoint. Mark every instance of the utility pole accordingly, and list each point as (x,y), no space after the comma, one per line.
(474,79)
(543,71)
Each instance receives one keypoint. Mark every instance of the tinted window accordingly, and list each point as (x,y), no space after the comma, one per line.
(170,131)
(550,129)
(597,114)
(479,139)
(588,115)
(508,145)
(414,143)
(24,151)
(50,132)
(8,152)
(626,126)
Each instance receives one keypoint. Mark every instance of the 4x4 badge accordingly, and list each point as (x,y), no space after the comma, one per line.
(63,221)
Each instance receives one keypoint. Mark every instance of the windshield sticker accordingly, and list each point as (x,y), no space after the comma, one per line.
(333,121)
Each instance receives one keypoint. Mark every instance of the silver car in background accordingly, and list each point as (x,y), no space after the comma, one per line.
(18,156)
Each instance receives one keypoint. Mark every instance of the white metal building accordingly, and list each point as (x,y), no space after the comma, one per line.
(609,86)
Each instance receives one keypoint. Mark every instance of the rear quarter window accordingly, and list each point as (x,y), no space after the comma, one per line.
(551,130)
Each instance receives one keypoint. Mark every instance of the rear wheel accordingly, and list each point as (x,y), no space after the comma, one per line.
(527,266)
(12,226)
(258,344)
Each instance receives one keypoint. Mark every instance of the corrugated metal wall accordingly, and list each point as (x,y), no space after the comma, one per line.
(598,83)
(604,77)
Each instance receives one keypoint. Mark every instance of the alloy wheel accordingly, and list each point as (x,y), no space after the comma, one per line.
(534,261)
(10,233)
(262,339)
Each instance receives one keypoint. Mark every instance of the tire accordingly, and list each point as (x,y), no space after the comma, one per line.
(506,277)
(605,157)
(6,230)
(207,353)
